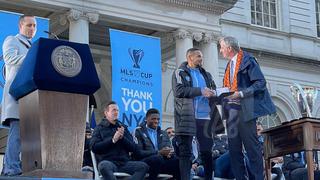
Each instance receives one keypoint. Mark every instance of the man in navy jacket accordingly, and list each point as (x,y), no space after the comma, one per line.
(155,147)
(249,101)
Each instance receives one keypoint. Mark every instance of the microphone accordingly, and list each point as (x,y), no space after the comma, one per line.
(51,34)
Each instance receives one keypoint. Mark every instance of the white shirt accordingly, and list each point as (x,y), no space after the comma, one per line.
(234,60)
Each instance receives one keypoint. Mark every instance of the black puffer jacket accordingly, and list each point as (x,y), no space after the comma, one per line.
(101,143)
(184,92)
(291,162)
(145,144)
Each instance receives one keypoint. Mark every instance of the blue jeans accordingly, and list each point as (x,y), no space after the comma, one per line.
(12,162)
(223,167)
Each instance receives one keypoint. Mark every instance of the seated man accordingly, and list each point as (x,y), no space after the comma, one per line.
(112,142)
(155,147)
(170,132)
(294,167)
(197,168)
(276,164)
(221,157)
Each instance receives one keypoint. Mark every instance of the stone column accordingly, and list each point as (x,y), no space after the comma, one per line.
(79,25)
(184,41)
(210,54)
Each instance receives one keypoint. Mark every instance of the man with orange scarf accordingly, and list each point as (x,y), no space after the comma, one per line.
(249,101)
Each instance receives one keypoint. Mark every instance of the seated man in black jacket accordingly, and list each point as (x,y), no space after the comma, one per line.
(294,167)
(112,142)
(155,147)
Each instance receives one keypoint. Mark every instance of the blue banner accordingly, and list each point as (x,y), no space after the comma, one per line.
(136,75)
(10,26)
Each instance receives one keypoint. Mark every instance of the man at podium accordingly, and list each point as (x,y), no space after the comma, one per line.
(15,48)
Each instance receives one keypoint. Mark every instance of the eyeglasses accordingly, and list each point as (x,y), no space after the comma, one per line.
(170,132)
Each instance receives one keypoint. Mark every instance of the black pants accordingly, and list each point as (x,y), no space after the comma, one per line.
(204,137)
(137,169)
(185,154)
(205,144)
(158,164)
(302,174)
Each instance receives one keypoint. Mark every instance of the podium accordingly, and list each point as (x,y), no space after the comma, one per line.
(52,87)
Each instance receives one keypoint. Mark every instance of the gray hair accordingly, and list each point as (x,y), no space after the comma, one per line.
(231,42)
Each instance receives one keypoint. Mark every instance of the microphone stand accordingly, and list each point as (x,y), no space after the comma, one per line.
(52,34)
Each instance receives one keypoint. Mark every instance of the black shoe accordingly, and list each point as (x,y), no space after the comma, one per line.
(10,174)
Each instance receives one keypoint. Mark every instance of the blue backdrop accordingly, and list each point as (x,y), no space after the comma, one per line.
(136,75)
(9,26)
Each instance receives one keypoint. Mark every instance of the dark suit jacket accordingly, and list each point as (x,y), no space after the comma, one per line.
(256,101)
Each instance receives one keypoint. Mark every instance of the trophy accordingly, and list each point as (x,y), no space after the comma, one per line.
(136,56)
(305,98)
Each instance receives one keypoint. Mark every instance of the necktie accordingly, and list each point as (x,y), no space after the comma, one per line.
(231,71)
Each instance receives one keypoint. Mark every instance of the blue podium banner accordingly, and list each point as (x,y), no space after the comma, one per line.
(136,75)
(9,26)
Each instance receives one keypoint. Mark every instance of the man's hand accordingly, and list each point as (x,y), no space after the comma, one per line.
(194,166)
(234,96)
(277,159)
(166,152)
(206,92)
(118,135)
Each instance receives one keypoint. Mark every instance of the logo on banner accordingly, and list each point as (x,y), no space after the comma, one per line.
(66,61)
(136,56)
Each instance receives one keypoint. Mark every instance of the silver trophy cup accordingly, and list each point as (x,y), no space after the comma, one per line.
(305,98)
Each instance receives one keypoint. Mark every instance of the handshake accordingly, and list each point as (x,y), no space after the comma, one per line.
(220,92)
(206,92)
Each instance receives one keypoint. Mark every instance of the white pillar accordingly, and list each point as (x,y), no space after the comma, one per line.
(79,31)
(183,43)
(79,25)
(210,54)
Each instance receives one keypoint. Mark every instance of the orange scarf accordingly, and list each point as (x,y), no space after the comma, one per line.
(226,80)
